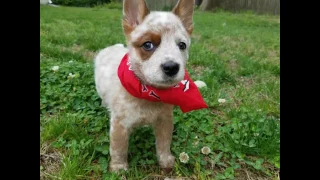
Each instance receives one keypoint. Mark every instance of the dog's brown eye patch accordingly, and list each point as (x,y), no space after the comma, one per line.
(154,38)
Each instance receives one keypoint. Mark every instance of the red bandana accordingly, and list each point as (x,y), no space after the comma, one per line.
(185,94)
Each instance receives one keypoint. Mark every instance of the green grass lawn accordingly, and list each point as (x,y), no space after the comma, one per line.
(237,55)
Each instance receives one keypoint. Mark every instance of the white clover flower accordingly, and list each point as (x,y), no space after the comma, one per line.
(70,61)
(184,158)
(205,150)
(71,75)
(55,68)
(197,141)
(200,84)
(221,100)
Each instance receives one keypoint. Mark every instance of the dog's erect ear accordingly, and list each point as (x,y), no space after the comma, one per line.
(134,11)
(184,10)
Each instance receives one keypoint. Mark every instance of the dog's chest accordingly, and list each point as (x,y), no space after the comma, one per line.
(142,112)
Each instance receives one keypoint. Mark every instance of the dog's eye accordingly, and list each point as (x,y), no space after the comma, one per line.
(182,45)
(148,46)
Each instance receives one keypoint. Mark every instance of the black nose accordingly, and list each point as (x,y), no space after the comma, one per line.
(170,68)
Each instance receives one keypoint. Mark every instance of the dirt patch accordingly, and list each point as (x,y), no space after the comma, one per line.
(196,36)
(219,113)
(273,57)
(87,54)
(50,162)
(199,70)
(245,174)
(246,82)
(213,49)
(277,20)
(272,54)
(232,65)
(41,56)
(76,48)
(43,33)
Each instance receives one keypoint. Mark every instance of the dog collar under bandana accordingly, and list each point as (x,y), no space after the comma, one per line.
(185,94)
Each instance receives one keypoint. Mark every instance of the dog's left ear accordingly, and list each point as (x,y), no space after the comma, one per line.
(184,10)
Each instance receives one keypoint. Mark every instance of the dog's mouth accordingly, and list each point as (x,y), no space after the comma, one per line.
(161,82)
(165,84)
(166,81)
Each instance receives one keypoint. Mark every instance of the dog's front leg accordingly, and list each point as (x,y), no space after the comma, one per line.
(118,145)
(163,132)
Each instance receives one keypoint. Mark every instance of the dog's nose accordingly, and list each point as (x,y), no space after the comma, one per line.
(170,68)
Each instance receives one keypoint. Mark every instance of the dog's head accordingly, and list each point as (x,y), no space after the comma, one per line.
(158,42)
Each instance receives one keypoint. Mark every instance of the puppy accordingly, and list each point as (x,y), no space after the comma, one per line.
(141,84)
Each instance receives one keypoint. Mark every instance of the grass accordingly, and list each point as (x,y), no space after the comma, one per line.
(237,55)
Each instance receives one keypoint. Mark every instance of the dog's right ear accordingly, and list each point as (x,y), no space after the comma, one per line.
(134,11)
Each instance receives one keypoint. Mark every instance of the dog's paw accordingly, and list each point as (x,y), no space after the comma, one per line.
(118,167)
(166,161)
